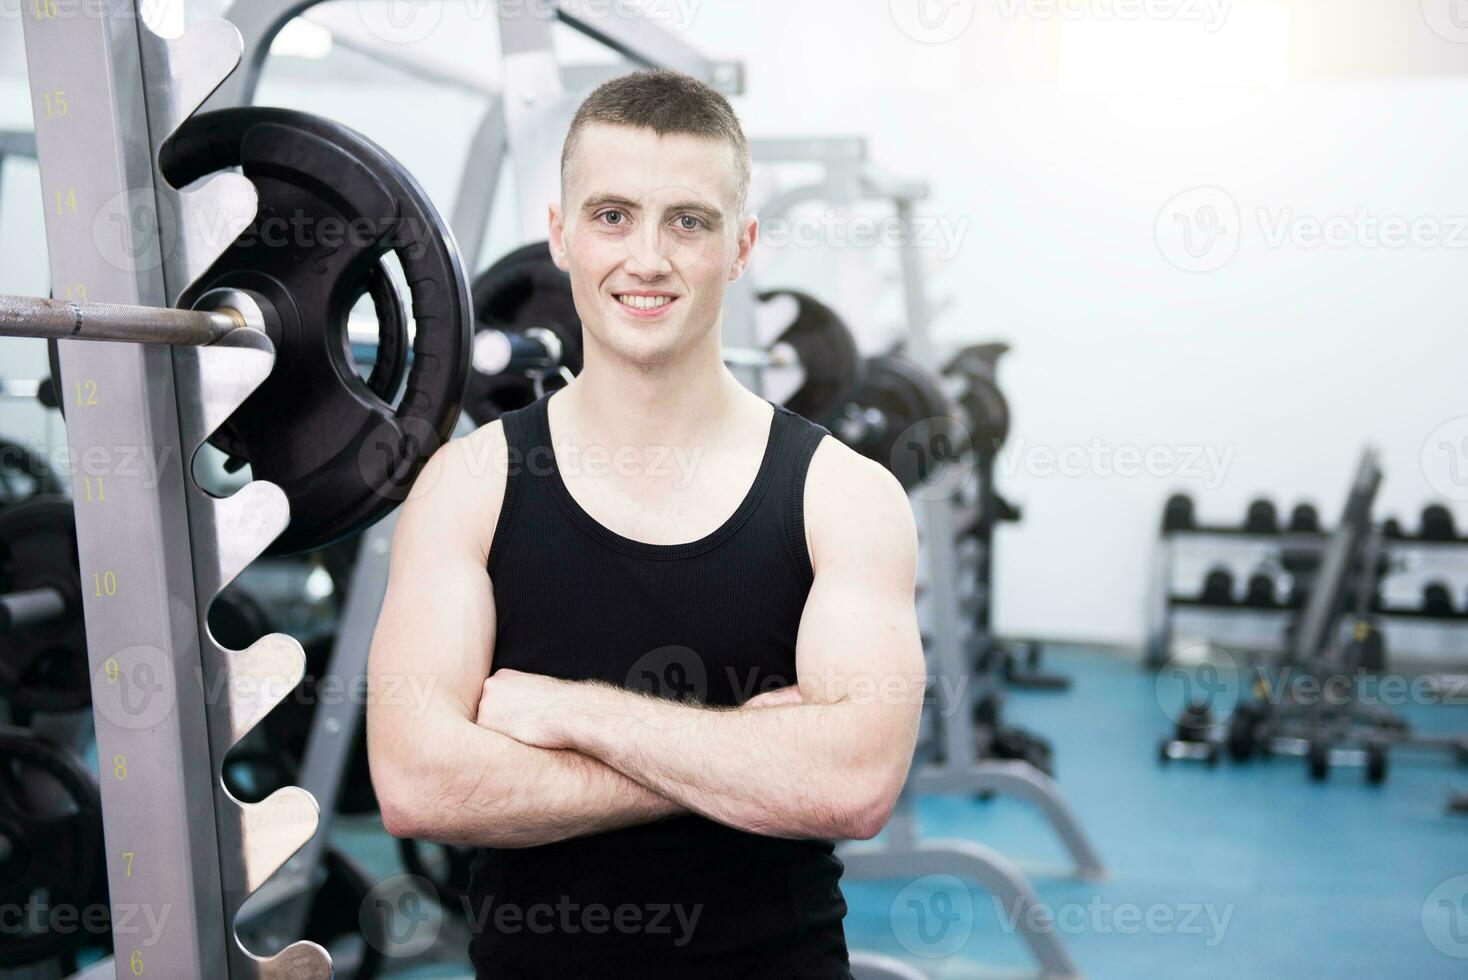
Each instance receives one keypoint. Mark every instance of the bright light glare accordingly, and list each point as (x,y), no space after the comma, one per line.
(1163,56)
(301,39)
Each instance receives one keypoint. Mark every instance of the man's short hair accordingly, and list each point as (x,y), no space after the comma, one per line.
(670,104)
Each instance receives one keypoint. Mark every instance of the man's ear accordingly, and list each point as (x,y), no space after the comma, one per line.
(748,235)
(556,225)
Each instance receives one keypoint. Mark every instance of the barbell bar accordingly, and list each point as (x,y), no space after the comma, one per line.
(30,607)
(31,316)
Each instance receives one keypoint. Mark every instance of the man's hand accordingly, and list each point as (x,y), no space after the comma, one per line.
(526,707)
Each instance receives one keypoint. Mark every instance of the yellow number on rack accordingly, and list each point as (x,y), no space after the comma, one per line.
(104,584)
(135,963)
(119,766)
(88,399)
(45,9)
(128,857)
(56,106)
(66,201)
(77,293)
(87,484)
(112,670)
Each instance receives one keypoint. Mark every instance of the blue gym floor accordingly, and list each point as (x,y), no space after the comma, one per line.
(1241,871)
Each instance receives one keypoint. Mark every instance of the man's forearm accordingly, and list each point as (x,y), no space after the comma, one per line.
(484,789)
(803,770)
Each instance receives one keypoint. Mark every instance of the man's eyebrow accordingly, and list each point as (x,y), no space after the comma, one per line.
(692,206)
(599,201)
(713,216)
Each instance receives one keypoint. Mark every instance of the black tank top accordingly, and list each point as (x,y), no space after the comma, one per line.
(713,619)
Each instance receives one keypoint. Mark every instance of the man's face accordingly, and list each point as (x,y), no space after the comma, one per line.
(651,235)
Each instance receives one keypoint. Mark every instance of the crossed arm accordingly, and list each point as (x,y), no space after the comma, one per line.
(520,759)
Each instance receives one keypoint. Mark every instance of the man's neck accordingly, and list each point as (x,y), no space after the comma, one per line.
(691,404)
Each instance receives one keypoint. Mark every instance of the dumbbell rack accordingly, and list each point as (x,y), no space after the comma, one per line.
(168,702)
(1175,605)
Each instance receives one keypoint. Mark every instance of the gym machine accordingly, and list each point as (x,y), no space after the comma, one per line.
(908,433)
(1196,590)
(1335,639)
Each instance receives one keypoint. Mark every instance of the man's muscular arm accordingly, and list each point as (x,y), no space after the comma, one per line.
(830,766)
(437,774)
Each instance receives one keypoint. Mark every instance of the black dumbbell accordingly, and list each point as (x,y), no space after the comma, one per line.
(1218,587)
(1262,517)
(1260,593)
(1437,601)
(1437,524)
(1178,513)
(1305,519)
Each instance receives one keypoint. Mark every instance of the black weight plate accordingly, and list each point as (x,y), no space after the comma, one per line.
(252,774)
(986,410)
(43,667)
(51,825)
(341,453)
(447,867)
(828,356)
(352,929)
(388,370)
(287,728)
(917,439)
(24,473)
(237,619)
(523,289)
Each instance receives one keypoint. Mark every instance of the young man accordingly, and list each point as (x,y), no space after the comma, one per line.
(698,609)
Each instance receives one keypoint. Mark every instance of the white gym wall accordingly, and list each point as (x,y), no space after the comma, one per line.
(1262,372)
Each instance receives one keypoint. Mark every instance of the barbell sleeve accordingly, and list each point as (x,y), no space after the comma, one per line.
(31,316)
(33,607)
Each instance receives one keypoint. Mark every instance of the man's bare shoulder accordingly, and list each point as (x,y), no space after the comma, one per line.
(460,490)
(855,505)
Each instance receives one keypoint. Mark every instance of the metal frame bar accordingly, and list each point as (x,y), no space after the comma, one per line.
(159,824)
(168,701)
(639,39)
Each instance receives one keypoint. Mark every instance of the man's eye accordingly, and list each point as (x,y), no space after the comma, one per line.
(608,216)
(689,223)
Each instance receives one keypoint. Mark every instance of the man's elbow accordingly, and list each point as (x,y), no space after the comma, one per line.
(403,803)
(411,792)
(870,804)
